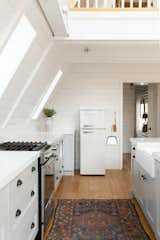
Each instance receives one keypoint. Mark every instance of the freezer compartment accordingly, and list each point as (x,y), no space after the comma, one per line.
(92,119)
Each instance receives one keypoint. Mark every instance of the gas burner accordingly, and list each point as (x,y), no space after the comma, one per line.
(24,146)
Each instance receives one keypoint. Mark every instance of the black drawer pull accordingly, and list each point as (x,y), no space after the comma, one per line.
(62,166)
(33,169)
(134,156)
(143,177)
(32,225)
(57,178)
(134,148)
(19,182)
(60,171)
(18,212)
(32,193)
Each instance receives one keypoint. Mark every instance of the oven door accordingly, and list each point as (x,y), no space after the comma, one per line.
(47,192)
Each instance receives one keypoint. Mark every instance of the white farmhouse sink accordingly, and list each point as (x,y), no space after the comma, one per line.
(144,156)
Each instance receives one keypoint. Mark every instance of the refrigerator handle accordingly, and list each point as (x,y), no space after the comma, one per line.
(85,132)
(87,125)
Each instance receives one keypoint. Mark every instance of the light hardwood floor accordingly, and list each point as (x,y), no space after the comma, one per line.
(114,185)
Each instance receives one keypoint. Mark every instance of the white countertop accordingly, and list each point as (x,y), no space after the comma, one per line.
(146,139)
(12,163)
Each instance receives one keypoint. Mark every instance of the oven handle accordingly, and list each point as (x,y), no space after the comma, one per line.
(47,159)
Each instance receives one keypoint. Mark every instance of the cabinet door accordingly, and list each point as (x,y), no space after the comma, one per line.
(138,183)
(4,213)
(150,198)
(135,174)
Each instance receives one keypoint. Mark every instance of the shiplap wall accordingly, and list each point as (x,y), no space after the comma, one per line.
(86,88)
(37,69)
(98,85)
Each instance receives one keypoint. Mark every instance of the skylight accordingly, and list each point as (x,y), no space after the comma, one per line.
(14,51)
(47,94)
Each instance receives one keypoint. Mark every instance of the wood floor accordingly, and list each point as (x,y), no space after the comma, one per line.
(114,185)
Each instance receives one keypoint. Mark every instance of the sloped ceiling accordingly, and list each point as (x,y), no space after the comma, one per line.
(46,56)
(37,69)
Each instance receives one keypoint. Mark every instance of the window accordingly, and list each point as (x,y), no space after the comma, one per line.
(14,51)
(47,94)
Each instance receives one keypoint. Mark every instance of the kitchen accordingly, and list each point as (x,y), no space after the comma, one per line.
(73,78)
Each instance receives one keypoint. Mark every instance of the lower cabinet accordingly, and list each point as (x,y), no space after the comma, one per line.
(158,198)
(19,206)
(4,213)
(145,190)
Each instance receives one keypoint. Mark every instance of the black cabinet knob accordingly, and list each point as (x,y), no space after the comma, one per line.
(32,225)
(18,212)
(33,169)
(133,156)
(143,177)
(32,193)
(19,182)
(134,148)
(57,178)
(60,171)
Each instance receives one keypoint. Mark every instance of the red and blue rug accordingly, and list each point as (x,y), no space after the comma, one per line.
(96,220)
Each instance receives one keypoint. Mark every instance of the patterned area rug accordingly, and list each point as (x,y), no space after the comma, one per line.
(96,220)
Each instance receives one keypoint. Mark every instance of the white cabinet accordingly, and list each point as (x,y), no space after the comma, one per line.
(19,206)
(158,198)
(58,166)
(143,188)
(23,207)
(4,213)
(68,154)
(147,192)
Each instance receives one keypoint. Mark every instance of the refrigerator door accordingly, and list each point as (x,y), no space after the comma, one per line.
(92,119)
(92,152)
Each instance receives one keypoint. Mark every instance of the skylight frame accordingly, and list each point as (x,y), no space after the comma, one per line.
(14,51)
(46,96)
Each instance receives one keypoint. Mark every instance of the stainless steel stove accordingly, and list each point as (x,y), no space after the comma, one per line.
(46,177)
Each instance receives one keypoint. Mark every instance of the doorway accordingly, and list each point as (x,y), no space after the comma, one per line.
(141,113)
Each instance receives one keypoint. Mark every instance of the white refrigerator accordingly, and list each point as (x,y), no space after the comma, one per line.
(92,142)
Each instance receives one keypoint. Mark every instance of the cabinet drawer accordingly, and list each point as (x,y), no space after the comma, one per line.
(27,227)
(19,205)
(24,182)
(27,178)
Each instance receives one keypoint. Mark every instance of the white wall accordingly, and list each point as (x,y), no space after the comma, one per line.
(129,115)
(118,25)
